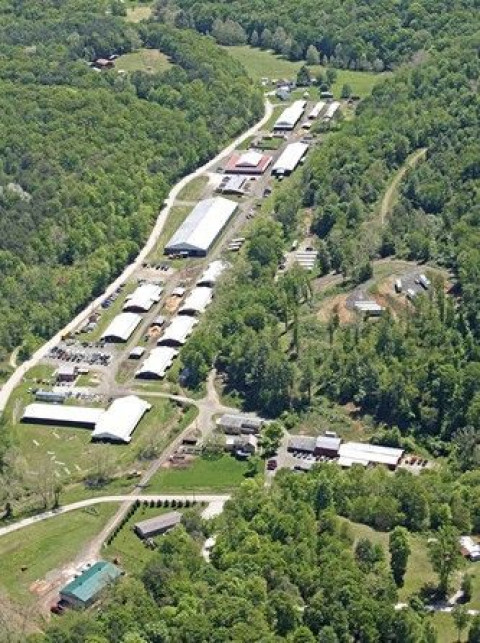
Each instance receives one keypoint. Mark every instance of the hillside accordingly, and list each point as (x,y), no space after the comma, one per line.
(350,35)
(88,156)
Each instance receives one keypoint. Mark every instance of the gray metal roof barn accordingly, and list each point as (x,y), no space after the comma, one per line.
(201,228)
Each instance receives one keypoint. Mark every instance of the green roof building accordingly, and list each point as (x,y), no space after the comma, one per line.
(85,589)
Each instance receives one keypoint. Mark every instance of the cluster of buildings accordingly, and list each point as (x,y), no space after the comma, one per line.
(115,424)
(241,434)
(181,326)
(346,454)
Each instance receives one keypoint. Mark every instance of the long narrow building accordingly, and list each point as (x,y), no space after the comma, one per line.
(290,116)
(202,227)
(289,159)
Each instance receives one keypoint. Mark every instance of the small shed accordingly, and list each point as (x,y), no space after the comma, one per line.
(66,373)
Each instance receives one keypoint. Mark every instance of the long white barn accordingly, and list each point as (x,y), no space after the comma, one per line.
(143,298)
(177,333)
(290,116)
(157,363)
(289,159)
(202,227)
(62,415)
(119,421)
(121,327)
(197,301)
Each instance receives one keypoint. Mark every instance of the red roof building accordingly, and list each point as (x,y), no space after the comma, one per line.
(248,163)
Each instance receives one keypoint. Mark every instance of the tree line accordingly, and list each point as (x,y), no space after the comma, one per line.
(343,34)
(87,158)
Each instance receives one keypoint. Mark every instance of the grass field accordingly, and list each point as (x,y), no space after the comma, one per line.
(46,546)
(265,64)
(194,189)
(446,630)
(147,60)
(71,454)
(139,12)
(222,474)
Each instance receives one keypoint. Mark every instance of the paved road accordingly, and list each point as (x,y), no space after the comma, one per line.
(17,375)
(214,501)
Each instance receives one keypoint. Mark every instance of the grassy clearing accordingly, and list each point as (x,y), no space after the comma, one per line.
(419,569)
(446,630)
(139,12)
(151,61)
(46,546)
(70,453)
(221,474)
(328,416)
(265,64)
(194,190)
(177,215)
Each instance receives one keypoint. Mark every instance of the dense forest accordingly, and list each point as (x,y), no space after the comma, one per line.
(87,157)
(285,566)
(417,372)
(352,35)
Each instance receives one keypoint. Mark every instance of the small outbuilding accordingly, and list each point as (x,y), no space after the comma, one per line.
(66,373)
(470,549)
(158,525)
(302,443)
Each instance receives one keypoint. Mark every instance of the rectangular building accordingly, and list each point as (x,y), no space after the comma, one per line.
(121,327)
(197,301)
(157,363)
(315,113)
(62,415)
(365,454)
(289,159)
(236,424)
(290,116)
(120,420)
(213,272)
(179,330)
(202,227)
(143,298)
(86,588)
(327,446)
(158,525)
(250,162)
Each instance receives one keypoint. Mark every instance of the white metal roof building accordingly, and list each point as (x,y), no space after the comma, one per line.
(470,548)
(197,301)
(62,415)
(368,307)
(290,116)
(143,298)
(234,184)
(212,273)
(289,159)
(119,421)
(331,110)
(178,331)
(306,259)
(121,327)
(315,113)
(365,454)
(157,363)
(201,228)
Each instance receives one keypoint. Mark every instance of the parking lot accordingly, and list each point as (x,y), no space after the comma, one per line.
(81,353)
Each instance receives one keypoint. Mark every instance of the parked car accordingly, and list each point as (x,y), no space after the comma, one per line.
(272,465)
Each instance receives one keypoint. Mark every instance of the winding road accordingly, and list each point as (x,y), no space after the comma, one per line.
(18,374)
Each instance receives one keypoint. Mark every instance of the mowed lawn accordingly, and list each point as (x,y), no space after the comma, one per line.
(265,64)
(205,474)
(28,555)
(70,452)
(194,189)
(147,60)
(127,547)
